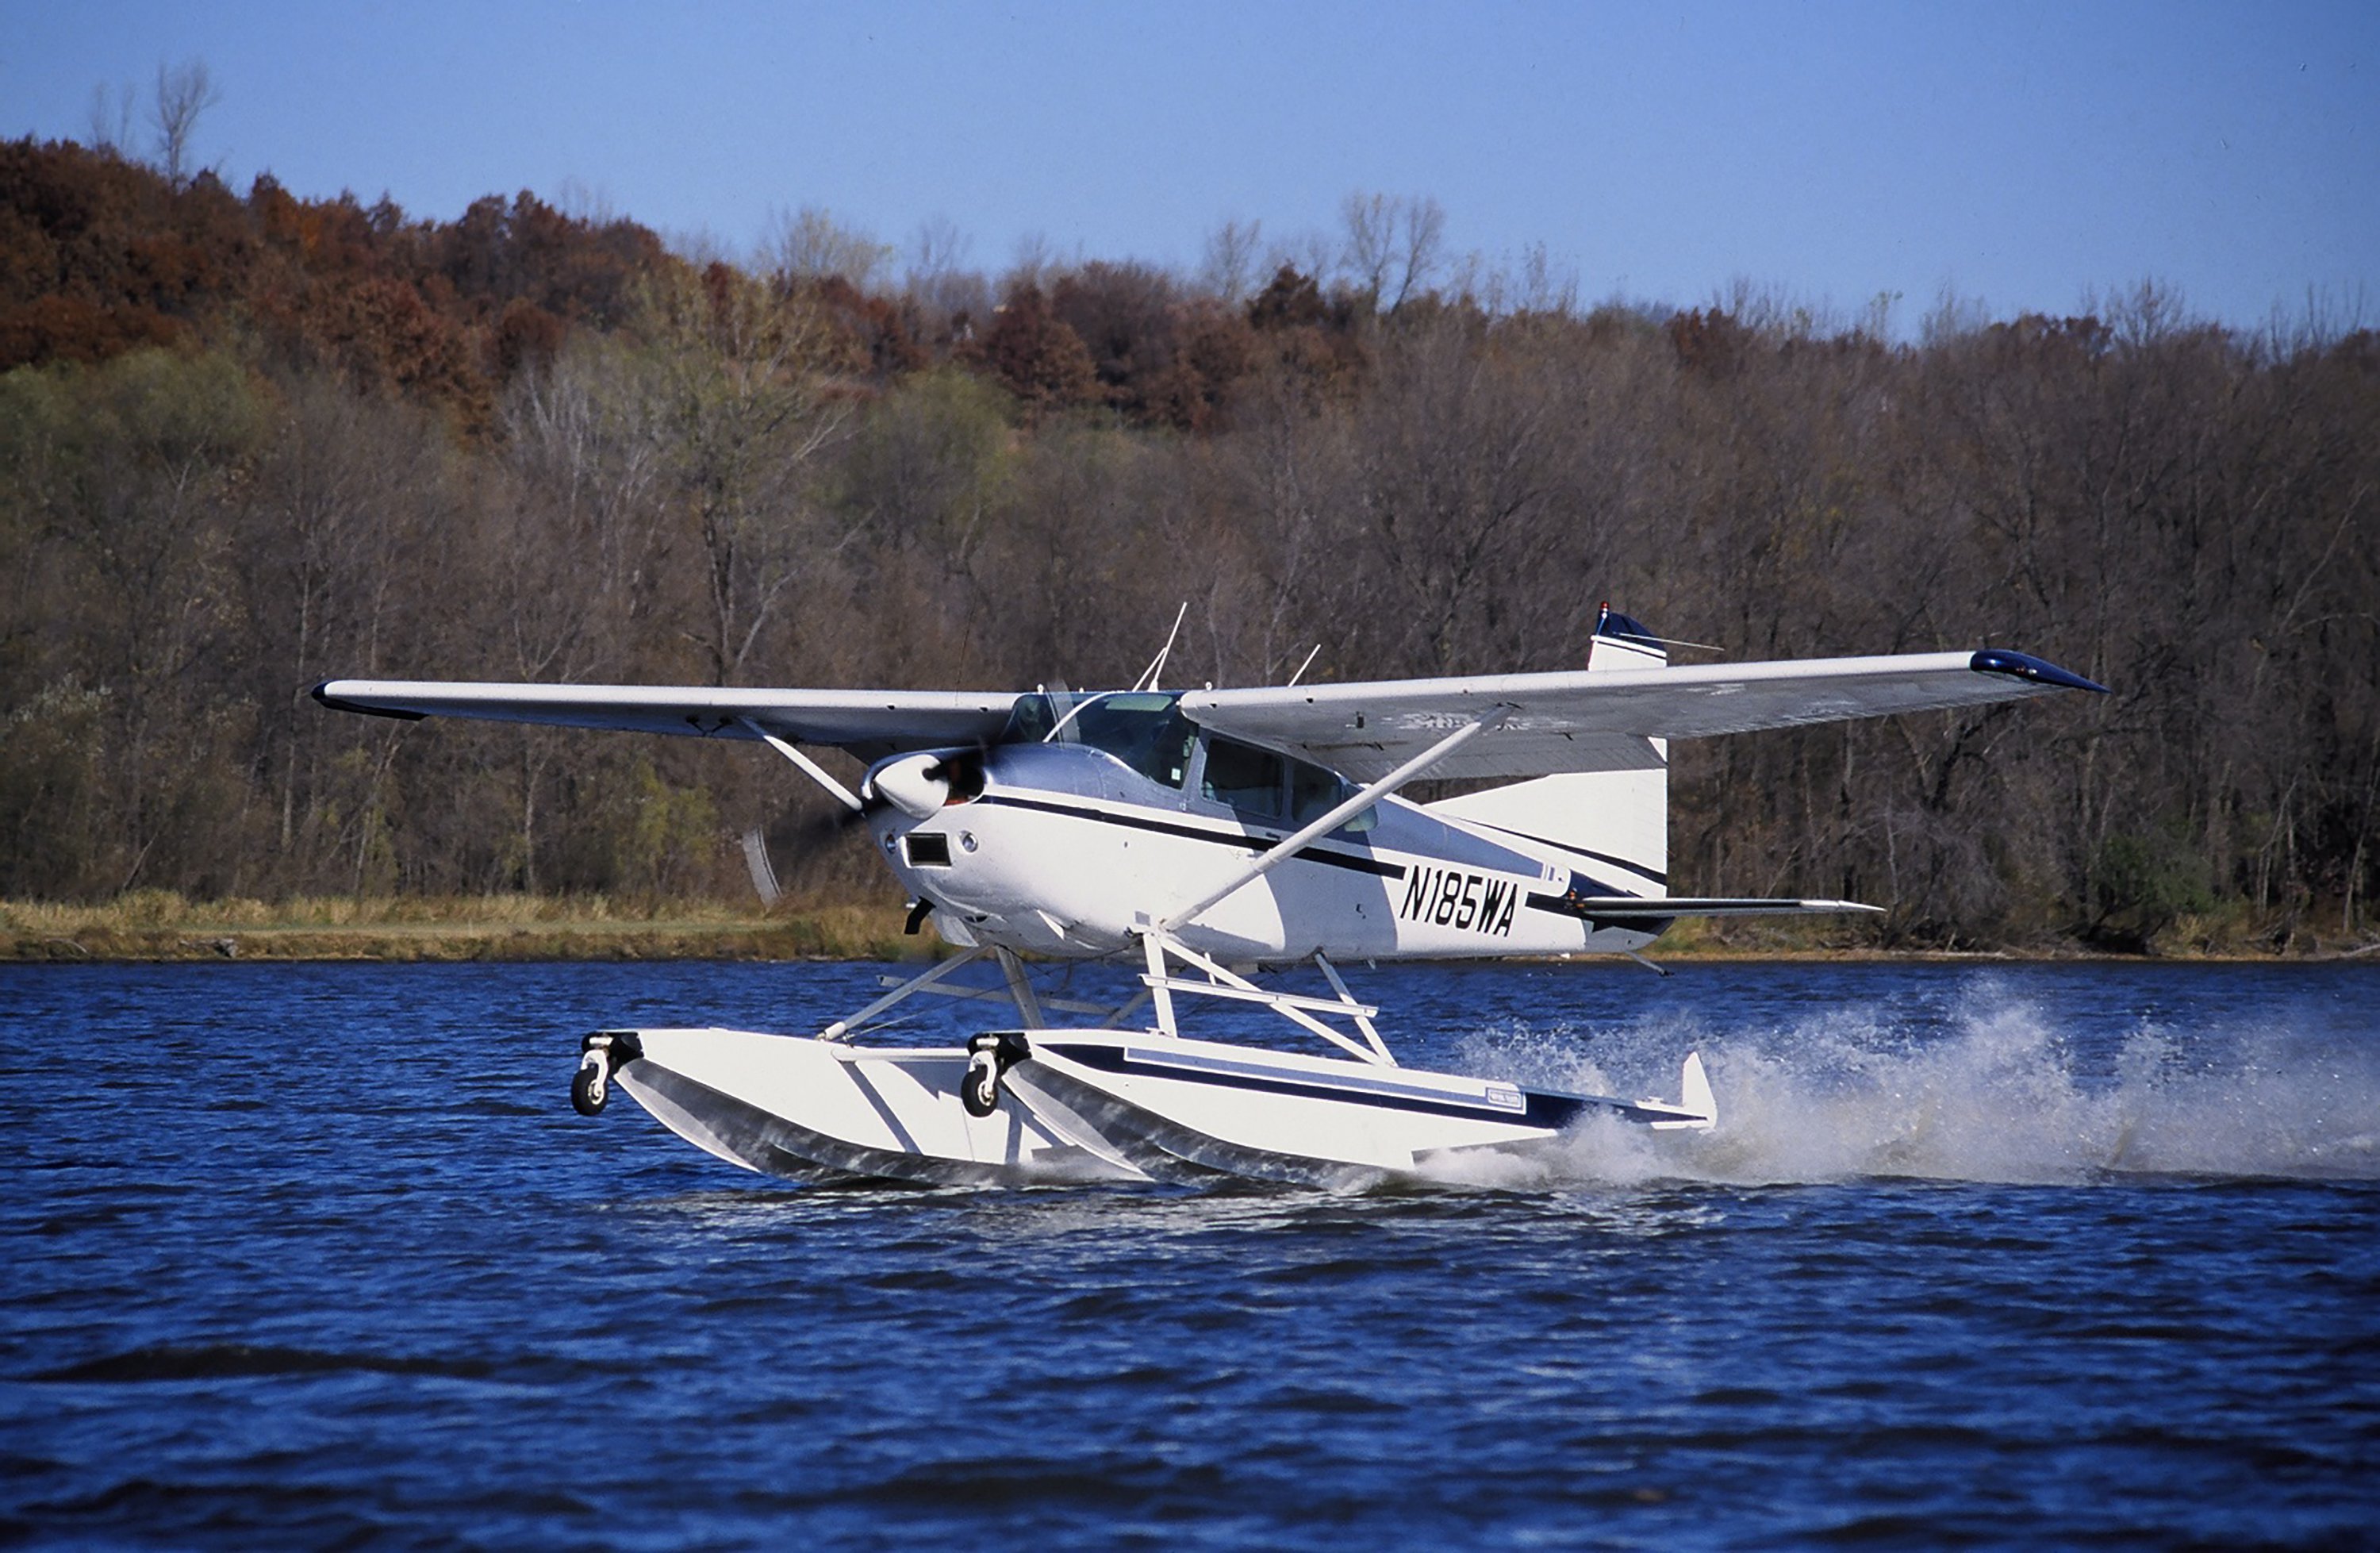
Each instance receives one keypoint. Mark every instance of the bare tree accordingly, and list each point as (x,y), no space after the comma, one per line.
(573,542)
(581,202)
(1230,266)
(937,251)
(954,297)
(1371,221)
(184,93)
(1311,254)
(738,406)
(700,246)
(111,117)
(809,244)
(1395,244)
(1543,286)
(1034,262)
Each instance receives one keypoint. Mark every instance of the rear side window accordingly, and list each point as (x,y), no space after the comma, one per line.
(1314,792)
(1243,777)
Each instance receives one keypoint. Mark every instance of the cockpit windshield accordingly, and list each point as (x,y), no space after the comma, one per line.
(1144,729)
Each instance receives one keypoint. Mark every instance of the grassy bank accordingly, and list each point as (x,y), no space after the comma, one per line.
(160,926)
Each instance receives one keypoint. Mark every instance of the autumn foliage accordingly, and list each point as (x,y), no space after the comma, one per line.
(251,441)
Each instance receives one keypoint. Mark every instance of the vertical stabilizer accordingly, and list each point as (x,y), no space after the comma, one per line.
(1616,821)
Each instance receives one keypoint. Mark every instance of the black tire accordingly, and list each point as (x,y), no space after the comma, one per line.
(979,1090)
(584,1098)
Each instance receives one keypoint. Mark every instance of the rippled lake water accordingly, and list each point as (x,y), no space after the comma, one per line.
(320,1255)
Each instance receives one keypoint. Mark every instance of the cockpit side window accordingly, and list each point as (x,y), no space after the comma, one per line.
(1243,777)
(1144,729)
(1030,720)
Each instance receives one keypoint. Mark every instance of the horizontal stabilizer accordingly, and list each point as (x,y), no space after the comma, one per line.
(1614,907)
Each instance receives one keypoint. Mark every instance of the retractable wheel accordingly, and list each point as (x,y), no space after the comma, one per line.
(990,1056)
(590,1087)
(979,1091)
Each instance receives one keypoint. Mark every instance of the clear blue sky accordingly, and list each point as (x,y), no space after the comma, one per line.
(2017,154)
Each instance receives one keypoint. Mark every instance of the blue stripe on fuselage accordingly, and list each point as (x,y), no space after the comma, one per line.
(1361,863)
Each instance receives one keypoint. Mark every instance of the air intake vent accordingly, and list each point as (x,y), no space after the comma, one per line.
(929,851)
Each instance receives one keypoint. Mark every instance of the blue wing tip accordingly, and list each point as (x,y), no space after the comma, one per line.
(322,692)
(2024,666)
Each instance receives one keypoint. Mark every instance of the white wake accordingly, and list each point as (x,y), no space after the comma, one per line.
(1995,1092)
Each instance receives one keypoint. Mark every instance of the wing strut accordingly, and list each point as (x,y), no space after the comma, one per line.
(810,768)
(1290,846)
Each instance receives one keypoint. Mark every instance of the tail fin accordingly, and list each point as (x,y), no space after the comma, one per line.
(1697,1108)
(1618,820)
(1623,643)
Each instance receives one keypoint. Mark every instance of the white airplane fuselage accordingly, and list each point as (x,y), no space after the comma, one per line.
(1066,848)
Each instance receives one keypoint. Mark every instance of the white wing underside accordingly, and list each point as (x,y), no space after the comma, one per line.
(867,722)
(1541,724)
(1537,724)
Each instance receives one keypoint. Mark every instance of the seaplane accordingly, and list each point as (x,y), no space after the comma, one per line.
(1206,838)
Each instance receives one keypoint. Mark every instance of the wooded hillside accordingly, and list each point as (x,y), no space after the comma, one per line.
(251,441)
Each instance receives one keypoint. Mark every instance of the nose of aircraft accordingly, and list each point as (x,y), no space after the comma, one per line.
(917,785)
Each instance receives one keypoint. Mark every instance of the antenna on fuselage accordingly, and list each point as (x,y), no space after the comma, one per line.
(1303,667)
(1148,680)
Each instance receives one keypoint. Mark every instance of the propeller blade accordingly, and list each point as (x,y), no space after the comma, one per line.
(764,877)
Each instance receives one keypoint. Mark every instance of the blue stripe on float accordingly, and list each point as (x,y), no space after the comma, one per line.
(1536,1107)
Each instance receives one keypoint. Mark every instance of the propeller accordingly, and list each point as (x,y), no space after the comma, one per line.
(813,831)
(756,857)
(823,825)
(918,785)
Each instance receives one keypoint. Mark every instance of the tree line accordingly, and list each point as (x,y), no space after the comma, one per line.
(249,441)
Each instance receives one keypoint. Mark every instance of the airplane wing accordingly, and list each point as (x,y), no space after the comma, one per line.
(1546,723)
(870,723)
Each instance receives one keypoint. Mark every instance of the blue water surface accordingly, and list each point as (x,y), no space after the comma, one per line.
(318,1255)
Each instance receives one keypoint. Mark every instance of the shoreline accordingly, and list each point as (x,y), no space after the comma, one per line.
(162,928)
(159,929)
